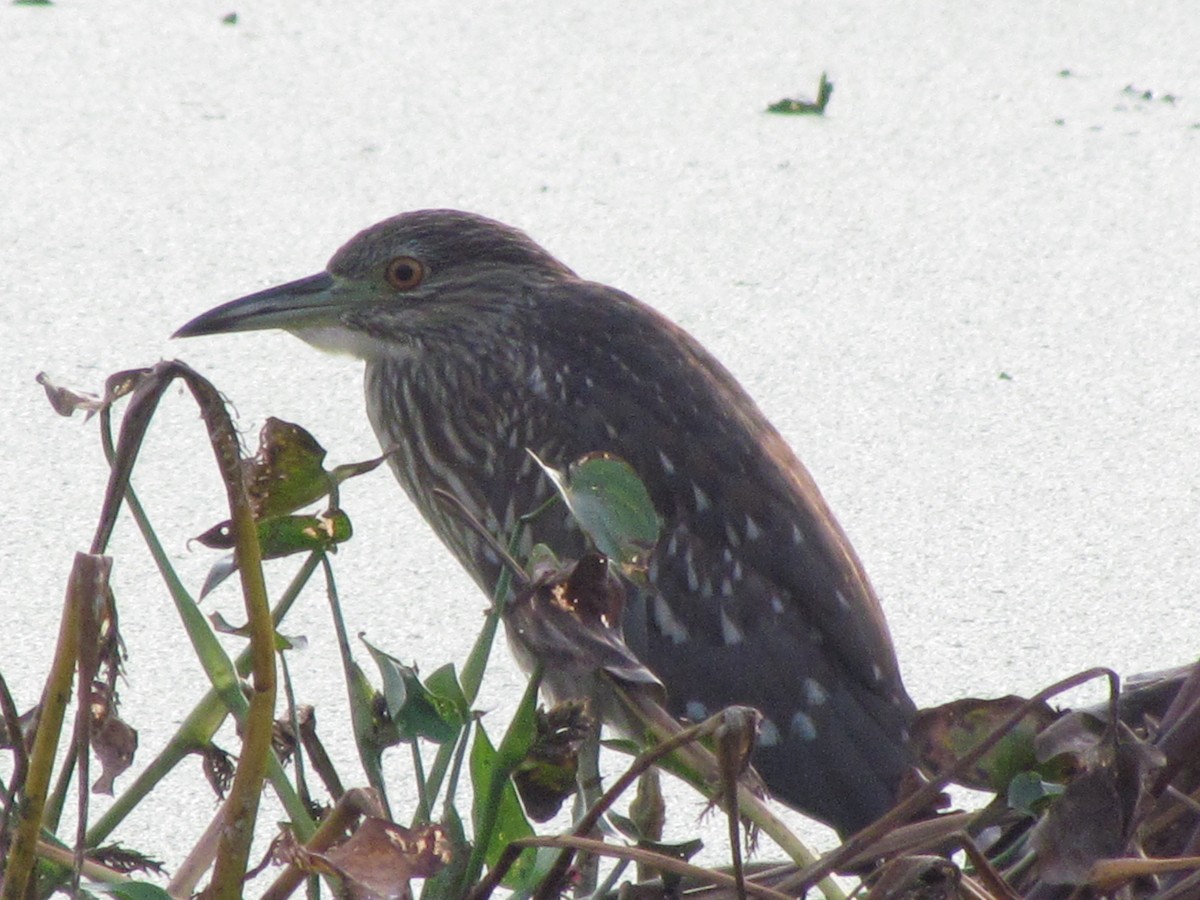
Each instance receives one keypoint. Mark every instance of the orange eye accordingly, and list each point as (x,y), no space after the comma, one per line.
(404,273)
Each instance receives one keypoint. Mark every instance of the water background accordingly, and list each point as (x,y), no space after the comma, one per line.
(968,295)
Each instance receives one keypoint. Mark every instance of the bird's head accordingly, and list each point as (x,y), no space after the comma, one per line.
(408,278)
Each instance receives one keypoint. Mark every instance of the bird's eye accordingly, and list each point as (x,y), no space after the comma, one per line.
(404,273)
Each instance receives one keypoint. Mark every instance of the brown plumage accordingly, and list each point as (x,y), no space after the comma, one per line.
(479,346)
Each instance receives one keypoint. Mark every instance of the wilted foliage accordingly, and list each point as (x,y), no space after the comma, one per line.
(1085,803)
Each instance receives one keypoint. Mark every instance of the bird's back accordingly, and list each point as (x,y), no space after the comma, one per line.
(756,596)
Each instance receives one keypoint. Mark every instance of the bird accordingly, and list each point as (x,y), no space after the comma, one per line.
(481,349)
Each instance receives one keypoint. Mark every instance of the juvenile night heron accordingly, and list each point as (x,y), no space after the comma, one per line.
(479,344)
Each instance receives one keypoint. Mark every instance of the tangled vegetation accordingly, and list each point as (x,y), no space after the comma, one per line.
(1087,803)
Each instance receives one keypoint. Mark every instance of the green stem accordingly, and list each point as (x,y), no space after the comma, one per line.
(87,572)
(241,806)
(197,732)
(506,763)
(472,672)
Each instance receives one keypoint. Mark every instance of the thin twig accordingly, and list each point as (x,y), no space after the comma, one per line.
(927,794)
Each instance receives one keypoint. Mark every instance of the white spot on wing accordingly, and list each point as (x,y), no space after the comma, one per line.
(797,535)
(668,466)
(752,530)
(842,601)
(537,381)
(776,605)
(768,733)
(667,622)
(729,630)
(700,497)
(814,692)
(802,726)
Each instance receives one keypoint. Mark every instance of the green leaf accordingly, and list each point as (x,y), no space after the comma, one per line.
(1028,793)
(943,734)
(414,709)
(496,811)
(444,683)
(288,471)
(278,537)
(521,733)
(370,731)
(445,884)
(353,470)
(132,890)
(285,535)
(790,106)
(611,505)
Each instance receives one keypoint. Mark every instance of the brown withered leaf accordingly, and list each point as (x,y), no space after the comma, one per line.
(126,861)
(917,878)
(735,739)
(115,744)
(546,777)
(648,810)
(218,769)
(568,619)
(381,858)
(66,401)
(1092,819)
(26,726)
(1083,825)
(943,734)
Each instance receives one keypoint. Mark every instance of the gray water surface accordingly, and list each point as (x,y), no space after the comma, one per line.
(968,295)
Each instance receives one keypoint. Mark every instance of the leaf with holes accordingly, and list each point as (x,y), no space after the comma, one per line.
(943,734)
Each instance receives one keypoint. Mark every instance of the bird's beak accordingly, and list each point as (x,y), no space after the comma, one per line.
(309,301)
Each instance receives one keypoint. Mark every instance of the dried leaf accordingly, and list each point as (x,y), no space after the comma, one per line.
(1083,826)
(218,769)
(917,878)
(66,401)
(569,621)
(115,744)
(221,625)
(1092,819)
(380,858)
(546,777)
(122,859)
(943,734)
